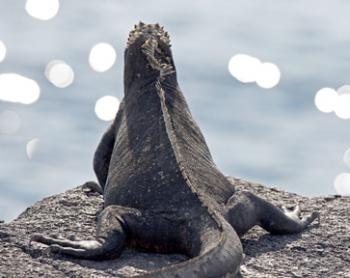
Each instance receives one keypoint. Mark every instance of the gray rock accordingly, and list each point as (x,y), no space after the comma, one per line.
(321,251)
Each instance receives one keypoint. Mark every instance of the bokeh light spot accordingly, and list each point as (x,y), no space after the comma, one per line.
(342,184)
(2,51)
(342,106)
(32,147)
(107,107)
(244,67)
(344,90)
(347,158)
(59,73)
(42,9)
(10,122)
(102,57)
(326,99)
(18,88)
(268,75)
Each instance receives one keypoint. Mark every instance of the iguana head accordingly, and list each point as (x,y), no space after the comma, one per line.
(148,54)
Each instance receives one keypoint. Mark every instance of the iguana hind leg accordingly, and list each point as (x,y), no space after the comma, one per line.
(245,210)
(109,242)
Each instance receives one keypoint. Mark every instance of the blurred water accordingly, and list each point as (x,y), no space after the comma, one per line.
(276,136)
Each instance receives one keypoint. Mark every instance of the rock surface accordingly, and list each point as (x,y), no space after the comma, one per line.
(321,251)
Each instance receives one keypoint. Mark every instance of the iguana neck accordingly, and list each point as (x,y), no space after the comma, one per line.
(148,59)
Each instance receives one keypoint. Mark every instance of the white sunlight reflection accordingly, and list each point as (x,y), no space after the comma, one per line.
(102,57)
(18,88)
(2,51)
(244,67)
(59,73)
(268,75)
(344,90)
(32,147)
(347,157)
(247,69)
(10,122)
(42,9)
(107,107)
(342,106)
(342,184)
(326,99)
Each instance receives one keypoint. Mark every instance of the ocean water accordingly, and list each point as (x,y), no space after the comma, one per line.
(276,136)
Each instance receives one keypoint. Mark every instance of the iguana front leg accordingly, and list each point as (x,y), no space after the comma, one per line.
(103,154)
(92,186)
(102,158)
(245,210)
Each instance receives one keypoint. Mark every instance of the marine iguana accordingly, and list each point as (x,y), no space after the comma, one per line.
(162,191)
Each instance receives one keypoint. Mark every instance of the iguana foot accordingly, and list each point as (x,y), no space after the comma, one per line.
(245,210)
(65,245)
(92,186)
(295,214)
(109,241)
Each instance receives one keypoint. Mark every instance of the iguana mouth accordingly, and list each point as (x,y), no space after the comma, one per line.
(155,45)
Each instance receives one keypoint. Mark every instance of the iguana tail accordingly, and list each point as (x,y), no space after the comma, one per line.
(222,260)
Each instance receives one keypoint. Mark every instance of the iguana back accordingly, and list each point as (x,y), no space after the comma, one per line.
(160,155)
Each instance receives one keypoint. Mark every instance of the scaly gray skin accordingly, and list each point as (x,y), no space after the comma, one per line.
(162,191)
